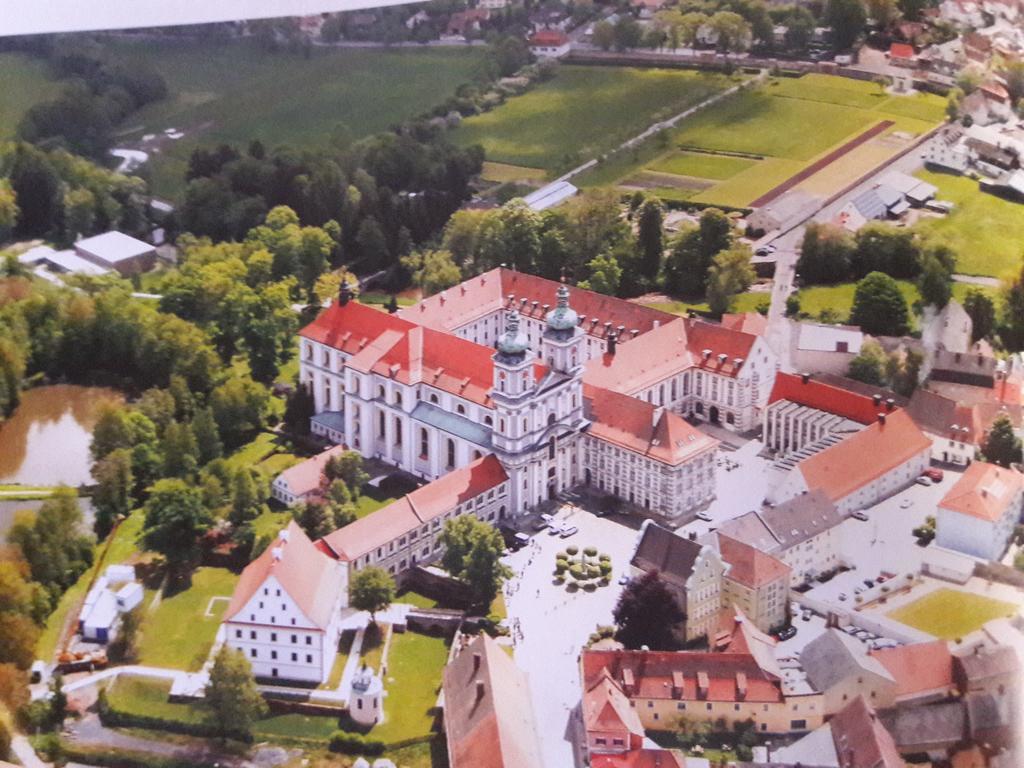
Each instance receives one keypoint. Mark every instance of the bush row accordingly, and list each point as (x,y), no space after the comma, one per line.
(355,744)
(113,717)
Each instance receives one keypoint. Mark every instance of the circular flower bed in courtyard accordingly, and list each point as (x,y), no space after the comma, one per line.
(588,568)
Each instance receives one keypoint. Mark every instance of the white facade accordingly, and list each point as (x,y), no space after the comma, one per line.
(279,641)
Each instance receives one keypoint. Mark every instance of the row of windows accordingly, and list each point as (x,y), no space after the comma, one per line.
(254,635)
(254,653)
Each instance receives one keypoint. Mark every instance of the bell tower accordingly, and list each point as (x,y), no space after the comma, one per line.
(563,338)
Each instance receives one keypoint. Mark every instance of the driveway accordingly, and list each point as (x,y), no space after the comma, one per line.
(554,623)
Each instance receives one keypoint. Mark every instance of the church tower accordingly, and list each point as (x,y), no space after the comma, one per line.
(561,346)
(512,393)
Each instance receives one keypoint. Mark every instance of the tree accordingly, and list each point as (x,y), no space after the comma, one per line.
(1012,331)
(627,33)
(372,245)
(883,12)
(605,275)
(647,614)
(603,35)
(799,28)
(37,189)
(1013,74)
(245,500)
(473,554)
(371,589)
(1002,446)
(686,269)
(733,31)
(432,270)
(181,453)
(299,408)
(9,210)
(231,694)
(882,247)
(348,466)
(239,407)
(175,518)
(204,427)
(18,640)
(113,497)
(730,273)
(649,236)
(825,254)
(878,306)
(935,282)
(982,311)
(847,19)
(869,365)
(58,700)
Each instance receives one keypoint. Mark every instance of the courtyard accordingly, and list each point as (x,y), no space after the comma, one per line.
(952,614)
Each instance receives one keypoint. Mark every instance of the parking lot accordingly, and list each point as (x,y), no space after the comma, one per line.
(554,623)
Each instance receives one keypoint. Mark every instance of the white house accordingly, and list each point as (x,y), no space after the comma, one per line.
(285,612)
(305,480)
(978,513)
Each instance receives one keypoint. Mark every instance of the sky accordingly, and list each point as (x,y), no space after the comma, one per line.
(30,17)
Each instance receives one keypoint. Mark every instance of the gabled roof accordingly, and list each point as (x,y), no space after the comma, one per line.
(834,656)
(945,417)
(826,397)
(901,51)
(984,491)
(638,426)
(310,578)
(864,456)
(606,708)
(307,476)
(749,566)
(747,638)
(919,667)
(640,758)
(747,322)
(671,555)
(416,508)
(488,716)
(751,529)
(801,518)
(861,741)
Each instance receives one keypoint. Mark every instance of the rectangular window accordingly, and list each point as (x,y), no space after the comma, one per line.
(252,652)
(309,658)
(238,633)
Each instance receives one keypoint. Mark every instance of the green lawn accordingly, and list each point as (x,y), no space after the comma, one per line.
(987,232)
(122,547)
(583,112)
(373,645)
(24,81)
(839,298)
(949,613)
(415,663)
(268,451)
(702,166)
(178,633)
(233,91)
(744,302)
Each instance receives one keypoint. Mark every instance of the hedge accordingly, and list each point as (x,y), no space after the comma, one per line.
(355,744)
(116,718)
(109,757)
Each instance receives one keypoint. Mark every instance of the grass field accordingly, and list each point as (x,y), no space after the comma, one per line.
(949,613)
(178,633)
(583,112)
(234,92)
(985,231)
(24,81)
(502,173)
(744,302)
(415,663)
(782,126)
(839,298)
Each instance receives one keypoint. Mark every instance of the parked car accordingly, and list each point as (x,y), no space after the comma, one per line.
(860,515)
(806,615)
(859,589)
(765,250)
(624,579)
(850,630)
(704,516)
(554,529)
(540,525)
(906,503)
(785,634)
(569,530)
(869,583)
(922,480)
(842,596)
(933,474)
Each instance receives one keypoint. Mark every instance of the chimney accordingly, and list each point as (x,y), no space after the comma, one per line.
(611,343)
(877,399)
(635,332)
(344,292)
(890,404)
(702,685)
(805,377)
(476,661)
(283,535)
(479,689)
(693,535)
(277,553)
(677,684)
(881,418)
(706,354)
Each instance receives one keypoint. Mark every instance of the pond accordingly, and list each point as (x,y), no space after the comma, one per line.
(46,440)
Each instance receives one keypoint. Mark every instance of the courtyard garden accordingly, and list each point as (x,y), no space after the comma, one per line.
(951,614)
(587,568)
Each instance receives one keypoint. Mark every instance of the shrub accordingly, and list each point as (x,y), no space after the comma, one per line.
(605,557)
(560,567)
(355,744)
(576,571)
(573,551)
(593,571)
(605,568)
(590,551)
(562,556)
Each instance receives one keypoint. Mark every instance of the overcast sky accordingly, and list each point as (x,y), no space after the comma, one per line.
(29,17)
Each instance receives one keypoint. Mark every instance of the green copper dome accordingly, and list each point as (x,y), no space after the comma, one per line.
(513,342)
(562,317)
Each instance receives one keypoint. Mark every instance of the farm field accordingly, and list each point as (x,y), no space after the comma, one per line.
(984,230)
(949,613)
(217,90)
(583,112)
(763,133)
(24,81)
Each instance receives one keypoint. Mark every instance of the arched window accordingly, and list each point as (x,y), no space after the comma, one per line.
(501,512)
(501,425)
(433,398)
(551,447)
(451,453)
(477,455)
(381,424)
(526,425)
(551,418)
(460,409)
(380,391)
(424,447)
(488,421)
(397,398)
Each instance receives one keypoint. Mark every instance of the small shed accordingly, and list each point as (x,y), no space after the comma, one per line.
(129,596)
(99,625)
(119,574)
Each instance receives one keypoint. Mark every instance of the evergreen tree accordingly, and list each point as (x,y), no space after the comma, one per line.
(299,408)
(982,311)
(245,503)
(207,436)
(114,495)
(181,453)
(649,237)
(231,694)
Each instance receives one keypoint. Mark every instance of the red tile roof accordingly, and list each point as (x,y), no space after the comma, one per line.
(638,426)
(984,491)
(640,758)
(549,37)
(918,668)
(413,510)
(606,708)
(306,477)
(747,322)
(825,397)
(310,578)
(860,739)
(901,51)
(654,673)
(864,456)
(749,566)
(488,717)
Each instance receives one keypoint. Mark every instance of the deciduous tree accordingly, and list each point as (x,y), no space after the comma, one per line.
(371,590)
(231,694)
(1002,446)
(730,274)
(647,614)
(175,518)
(982,311)
(878,306)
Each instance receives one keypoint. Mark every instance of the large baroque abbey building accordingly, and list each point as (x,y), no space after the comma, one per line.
(563,386)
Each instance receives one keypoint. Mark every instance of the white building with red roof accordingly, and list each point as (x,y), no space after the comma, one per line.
(305,480)
(285,612)
(978,513)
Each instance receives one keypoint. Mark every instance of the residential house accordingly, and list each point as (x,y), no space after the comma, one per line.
(923,672)
(305,481)
(488,715)
(285,613)
(822,348)
(754,582)
(550,44)
(903,55)
(841,669)
(954,428)
(978,514)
